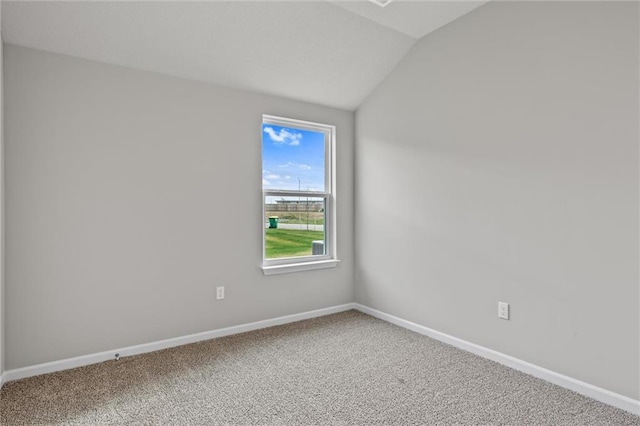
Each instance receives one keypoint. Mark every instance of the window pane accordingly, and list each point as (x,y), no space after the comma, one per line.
(294,226)
(292,159)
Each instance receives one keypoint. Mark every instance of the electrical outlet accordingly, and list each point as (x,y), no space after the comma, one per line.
(220,293)
(503,310)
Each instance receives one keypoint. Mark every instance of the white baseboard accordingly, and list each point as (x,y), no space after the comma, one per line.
(586,389)
(597,393)
(65,364)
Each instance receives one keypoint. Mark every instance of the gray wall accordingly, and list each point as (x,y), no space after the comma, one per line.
(2,346)
(118,231)
(510,140)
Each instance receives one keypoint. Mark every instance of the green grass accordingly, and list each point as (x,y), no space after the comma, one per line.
(301,220)
(290,242)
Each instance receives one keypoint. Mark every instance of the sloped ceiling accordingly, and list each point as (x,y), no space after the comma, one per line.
(327,53)
(413,18)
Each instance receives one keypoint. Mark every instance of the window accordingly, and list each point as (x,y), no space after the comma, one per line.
(298,195)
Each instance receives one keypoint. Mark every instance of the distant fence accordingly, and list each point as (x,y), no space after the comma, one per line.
(295,207)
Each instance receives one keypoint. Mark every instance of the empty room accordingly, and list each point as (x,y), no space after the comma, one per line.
(323,212)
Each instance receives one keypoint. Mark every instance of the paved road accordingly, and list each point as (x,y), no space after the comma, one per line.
(302,226)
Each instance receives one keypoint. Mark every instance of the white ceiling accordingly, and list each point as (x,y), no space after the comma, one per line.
(329,53)
(411,17)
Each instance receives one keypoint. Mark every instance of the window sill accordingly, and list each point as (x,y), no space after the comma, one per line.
(299,267)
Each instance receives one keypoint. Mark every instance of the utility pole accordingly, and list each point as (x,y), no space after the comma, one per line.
(299,199)
(307,212)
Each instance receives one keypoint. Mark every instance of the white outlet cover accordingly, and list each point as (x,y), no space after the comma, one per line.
(503,310)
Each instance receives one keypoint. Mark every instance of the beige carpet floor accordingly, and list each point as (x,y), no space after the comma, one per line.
(343,369)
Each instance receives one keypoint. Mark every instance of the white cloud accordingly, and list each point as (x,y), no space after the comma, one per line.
(265,182)
(284,136)
(272,176)
(295,166)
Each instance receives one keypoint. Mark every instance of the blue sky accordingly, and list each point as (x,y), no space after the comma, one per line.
(290,153)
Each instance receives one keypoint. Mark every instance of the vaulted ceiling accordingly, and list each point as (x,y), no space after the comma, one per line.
(332,53)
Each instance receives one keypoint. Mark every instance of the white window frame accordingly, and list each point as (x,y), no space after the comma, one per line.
(303,263)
